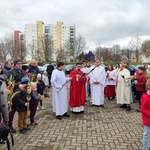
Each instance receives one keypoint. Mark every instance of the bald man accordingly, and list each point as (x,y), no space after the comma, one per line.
(33,67)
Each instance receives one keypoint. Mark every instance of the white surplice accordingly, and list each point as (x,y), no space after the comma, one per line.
(97,90)
(59,94)
(112,75)
(124,93)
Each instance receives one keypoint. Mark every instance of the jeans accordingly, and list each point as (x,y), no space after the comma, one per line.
(146,138)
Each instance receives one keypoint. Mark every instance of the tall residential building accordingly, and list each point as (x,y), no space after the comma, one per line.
(30,36)
(61,34)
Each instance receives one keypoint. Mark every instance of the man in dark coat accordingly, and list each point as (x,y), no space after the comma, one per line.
(33,67)
(17,74)
(49,70)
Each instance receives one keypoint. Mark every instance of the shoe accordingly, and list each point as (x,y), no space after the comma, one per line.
(81,112)
(112,98)
(109,98)
(138,110)
(65,115)
(27,129)
(34,124)
(59,117)
(42,108)
(128,108)
(123,106)
(12,130)
(37,108)
(102,106)
(22,131)
(2,142)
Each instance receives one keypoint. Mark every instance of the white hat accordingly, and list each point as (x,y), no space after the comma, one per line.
(38,75)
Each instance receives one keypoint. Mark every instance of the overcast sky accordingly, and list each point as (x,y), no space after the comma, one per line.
(104,22)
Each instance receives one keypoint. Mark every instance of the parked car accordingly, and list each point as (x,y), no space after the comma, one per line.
(132,70)
(44,67)
(137,67)
(69,68)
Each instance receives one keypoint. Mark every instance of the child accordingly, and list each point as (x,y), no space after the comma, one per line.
(45,79)
(35,98)
(140,84)
(111,77)
(20,99)
(40,88)
(145,110)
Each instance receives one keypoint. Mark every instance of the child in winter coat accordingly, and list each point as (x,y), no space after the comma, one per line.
(40,88)
(45,79)
(140,84)
(35,98)
(145,110)
(20,98)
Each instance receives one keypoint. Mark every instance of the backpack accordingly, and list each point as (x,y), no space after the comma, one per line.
(4,132)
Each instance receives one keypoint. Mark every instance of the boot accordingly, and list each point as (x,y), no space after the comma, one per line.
(123,106)
(128,108)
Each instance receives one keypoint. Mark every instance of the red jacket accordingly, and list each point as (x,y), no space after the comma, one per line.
(140,86)
(145,109)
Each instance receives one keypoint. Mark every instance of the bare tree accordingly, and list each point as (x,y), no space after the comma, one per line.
(48,47)
(10,47)
(69,51)
(76,47)
(80,45)
(134,45)
(98,53)
(3,51)
(31,50)
(146,48)
(22,48)
(62,55)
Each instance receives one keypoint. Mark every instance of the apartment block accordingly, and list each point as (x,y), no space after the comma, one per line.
(60,33)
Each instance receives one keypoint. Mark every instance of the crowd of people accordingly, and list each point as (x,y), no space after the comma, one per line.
(94,81)
(99,82)
(23,88)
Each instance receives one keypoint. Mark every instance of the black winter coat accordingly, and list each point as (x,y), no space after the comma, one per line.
(40,87)
(20,99)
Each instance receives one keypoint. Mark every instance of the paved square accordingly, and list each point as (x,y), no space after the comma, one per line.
(109,128)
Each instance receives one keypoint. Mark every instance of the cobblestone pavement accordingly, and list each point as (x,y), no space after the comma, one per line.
(109,128)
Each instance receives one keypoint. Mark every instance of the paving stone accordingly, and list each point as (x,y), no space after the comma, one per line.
(111,128)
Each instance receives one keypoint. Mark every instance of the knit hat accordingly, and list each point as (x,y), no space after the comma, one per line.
(24,67)
(16,61)
(39,75)
(24,80)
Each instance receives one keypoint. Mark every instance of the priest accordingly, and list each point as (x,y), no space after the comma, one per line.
(59,94)
(77,90)
(124,93)
(97,81)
